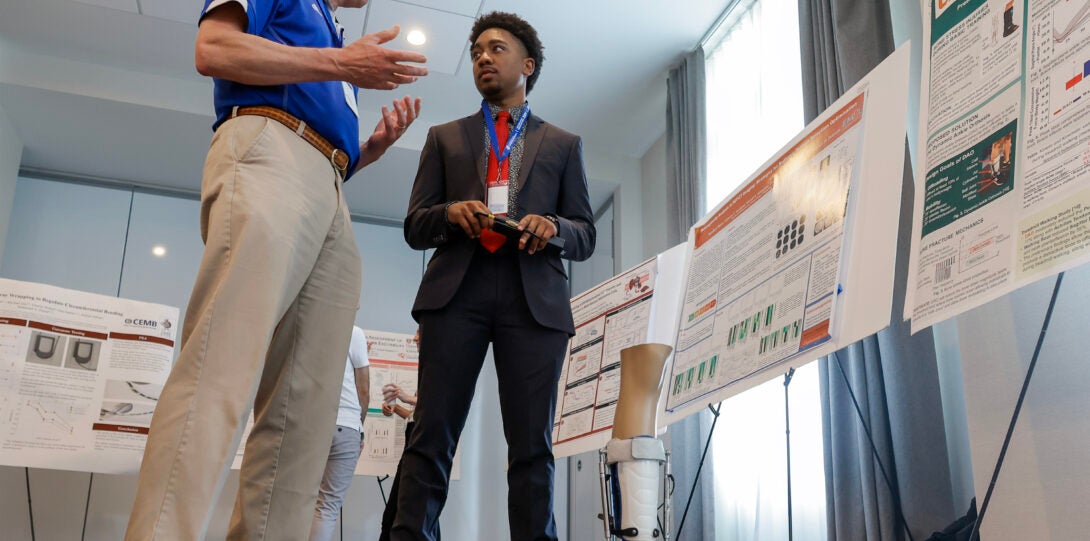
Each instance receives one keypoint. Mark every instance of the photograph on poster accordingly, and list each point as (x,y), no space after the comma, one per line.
(46,348)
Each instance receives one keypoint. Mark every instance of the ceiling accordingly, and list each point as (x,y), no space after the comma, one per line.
(106,89)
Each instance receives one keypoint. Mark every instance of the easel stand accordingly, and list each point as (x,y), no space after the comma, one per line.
(787,424)
(975,534)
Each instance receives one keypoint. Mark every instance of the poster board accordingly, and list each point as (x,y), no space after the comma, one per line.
(80,375)
(798,261)
(393,358)
(1003,187)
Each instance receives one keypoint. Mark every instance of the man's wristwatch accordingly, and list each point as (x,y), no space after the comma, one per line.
(446,211)
(556,222)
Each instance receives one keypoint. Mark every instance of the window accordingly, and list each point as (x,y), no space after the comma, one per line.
(754,91)
(754,107)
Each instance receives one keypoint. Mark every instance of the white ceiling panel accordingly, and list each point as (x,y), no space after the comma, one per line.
(123,5)
(461,7)
(172,10)
(447,33)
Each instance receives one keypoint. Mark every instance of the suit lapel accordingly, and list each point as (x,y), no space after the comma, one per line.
(473,131)
(535,133)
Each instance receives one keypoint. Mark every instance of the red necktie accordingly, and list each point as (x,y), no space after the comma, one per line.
(492,240)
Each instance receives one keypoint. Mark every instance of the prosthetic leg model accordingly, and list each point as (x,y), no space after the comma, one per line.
(630,465)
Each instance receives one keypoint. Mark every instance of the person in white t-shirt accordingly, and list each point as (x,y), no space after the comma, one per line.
(347,443)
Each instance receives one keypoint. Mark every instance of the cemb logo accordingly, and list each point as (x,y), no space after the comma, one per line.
(143,323)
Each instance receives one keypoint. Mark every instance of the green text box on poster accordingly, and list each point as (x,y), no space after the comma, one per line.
(970,180)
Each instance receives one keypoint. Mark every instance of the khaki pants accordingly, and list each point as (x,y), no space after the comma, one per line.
(268,323)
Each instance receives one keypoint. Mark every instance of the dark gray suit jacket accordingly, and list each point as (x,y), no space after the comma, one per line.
(552,181)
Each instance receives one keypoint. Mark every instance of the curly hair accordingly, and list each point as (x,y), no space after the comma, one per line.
(519,28)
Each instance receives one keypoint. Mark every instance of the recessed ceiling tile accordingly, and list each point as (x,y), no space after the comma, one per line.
(447,33)
(124,5)
(461,7)
(173,10)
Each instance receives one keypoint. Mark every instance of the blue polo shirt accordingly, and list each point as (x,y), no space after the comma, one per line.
(329,107)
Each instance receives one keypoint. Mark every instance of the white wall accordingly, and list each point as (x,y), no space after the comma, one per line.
(1043,487)
(11,152)
(624,172)
(653,185)
(99,239)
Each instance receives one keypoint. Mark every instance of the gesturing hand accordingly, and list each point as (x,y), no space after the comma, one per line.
(367,64)
(389,129)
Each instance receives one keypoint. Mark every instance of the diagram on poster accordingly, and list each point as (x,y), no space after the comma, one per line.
(80,375)
(762,275)
(1005,172)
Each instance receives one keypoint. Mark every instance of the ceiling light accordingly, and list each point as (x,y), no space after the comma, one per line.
(416,37)
(159,250)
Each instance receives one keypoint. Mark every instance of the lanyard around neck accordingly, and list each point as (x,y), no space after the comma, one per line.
(512,138)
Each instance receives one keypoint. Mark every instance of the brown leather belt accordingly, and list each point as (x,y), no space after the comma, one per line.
(337,157)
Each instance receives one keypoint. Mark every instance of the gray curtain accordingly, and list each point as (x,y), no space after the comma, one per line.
(894,376)
(686,166)
(686,170)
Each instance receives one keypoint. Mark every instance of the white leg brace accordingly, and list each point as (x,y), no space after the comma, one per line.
(635,464)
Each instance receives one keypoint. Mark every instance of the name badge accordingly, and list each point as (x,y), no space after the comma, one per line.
(497,197)
(350,98)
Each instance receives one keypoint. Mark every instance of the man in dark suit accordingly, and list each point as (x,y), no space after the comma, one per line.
(481,287)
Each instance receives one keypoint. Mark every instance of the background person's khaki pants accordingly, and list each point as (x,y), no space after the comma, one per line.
(269,322)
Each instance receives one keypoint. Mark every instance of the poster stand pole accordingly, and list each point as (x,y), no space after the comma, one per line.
(787,424)
(87,507)
(893,492)
(700,467)
(1017,409)
(29,503)
(381,491)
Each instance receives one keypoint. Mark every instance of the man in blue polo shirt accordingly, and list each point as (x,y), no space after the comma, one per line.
(270,316)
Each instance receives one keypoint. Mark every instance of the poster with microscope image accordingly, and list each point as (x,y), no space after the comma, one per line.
(80,375)
(1003,189)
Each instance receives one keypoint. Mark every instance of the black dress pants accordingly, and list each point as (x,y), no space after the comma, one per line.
(489,307)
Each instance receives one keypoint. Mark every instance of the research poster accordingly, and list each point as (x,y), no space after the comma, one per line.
(638,306)
(80,375)
(763,269)
(1003,187)
(608,318)
(393,358)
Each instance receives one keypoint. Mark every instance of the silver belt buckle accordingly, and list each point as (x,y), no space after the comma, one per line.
(333,161)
